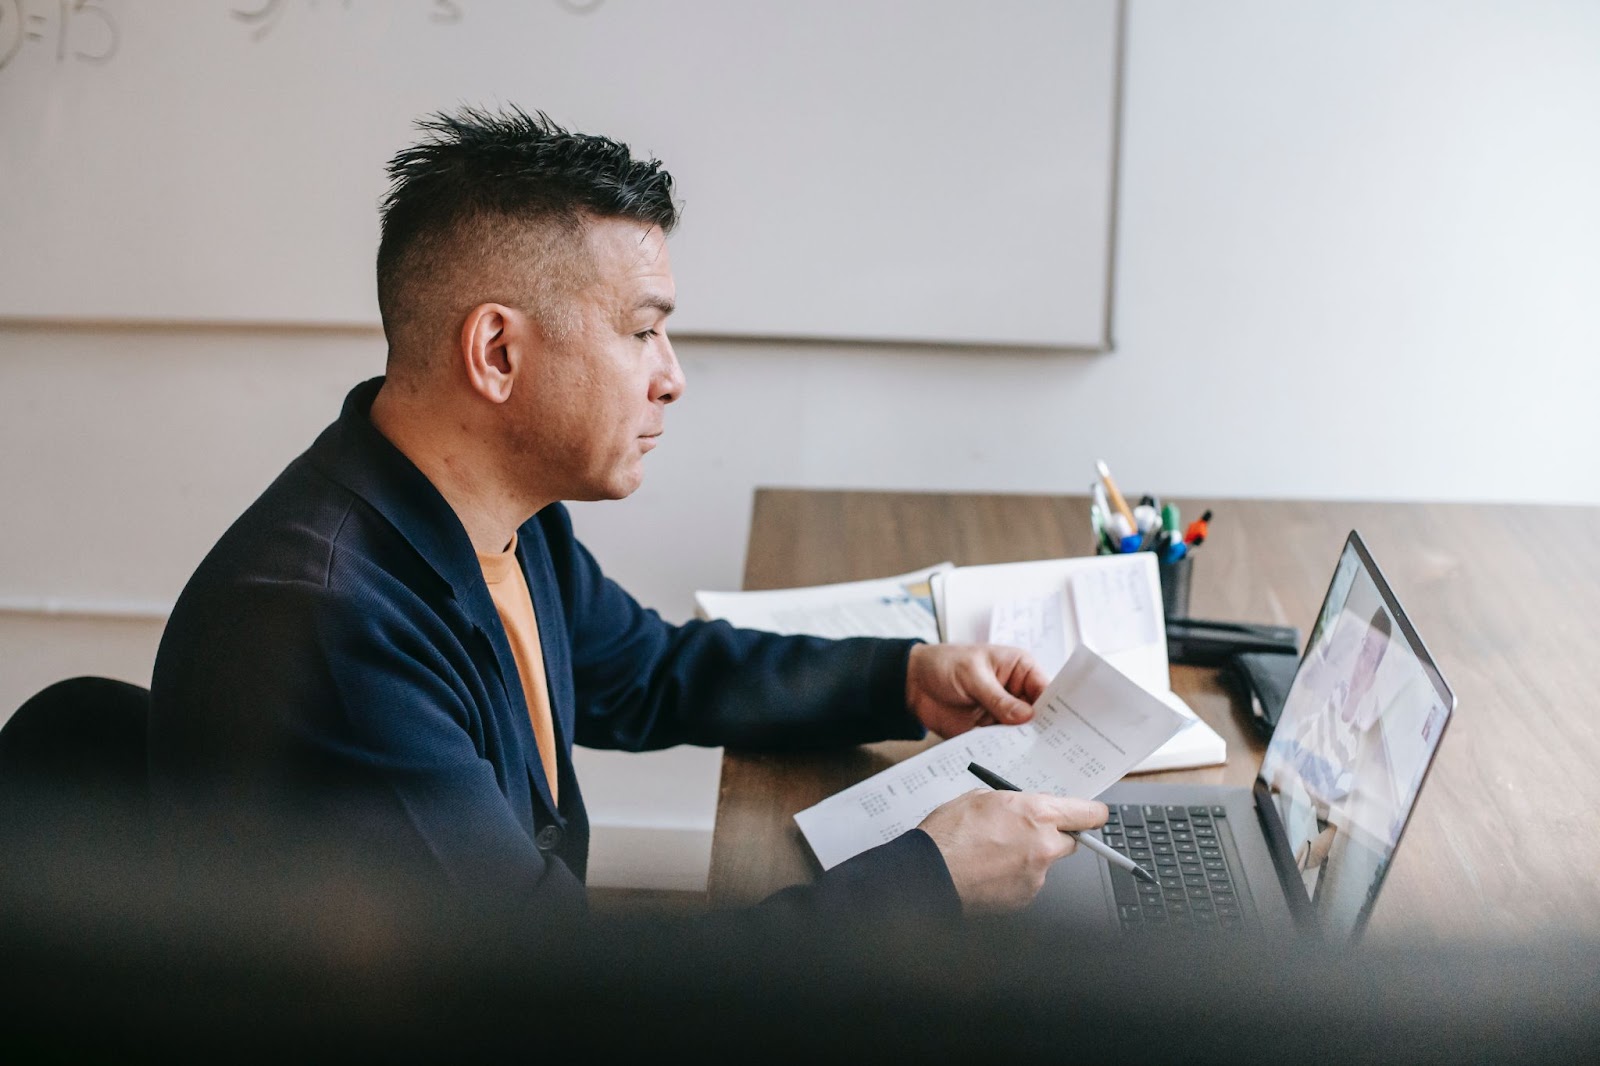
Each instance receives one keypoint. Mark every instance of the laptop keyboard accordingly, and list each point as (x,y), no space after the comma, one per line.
(1190,850)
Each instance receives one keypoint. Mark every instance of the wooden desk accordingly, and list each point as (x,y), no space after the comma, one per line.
(1503,842)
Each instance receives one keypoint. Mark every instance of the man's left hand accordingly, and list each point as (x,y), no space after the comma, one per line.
(952,688)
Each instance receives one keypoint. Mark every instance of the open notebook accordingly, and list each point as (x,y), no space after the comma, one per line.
(1112,603)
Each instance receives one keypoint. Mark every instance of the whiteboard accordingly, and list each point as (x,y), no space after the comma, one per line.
(918,170)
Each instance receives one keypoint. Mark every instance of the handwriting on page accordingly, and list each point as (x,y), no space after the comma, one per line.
(1035,624)
(1115,609)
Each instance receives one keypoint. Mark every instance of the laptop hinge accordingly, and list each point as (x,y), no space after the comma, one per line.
(1294,889)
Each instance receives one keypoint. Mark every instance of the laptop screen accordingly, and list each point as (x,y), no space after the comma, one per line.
(1359,727)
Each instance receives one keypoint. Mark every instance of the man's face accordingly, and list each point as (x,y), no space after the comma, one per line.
(1373,644)
(599,394)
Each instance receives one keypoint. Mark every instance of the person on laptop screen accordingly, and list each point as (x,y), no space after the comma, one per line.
(1347,758)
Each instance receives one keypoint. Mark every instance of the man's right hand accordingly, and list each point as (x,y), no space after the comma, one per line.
(999,845)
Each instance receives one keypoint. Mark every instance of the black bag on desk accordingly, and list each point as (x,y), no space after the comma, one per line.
(1262,678)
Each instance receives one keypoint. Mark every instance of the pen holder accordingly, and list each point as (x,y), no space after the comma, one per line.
(1175,586)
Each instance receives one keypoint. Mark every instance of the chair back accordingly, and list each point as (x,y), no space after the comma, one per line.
(72,759)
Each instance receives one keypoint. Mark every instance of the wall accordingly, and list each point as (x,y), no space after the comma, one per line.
(1359,258)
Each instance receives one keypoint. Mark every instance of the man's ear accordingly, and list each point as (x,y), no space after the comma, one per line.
(494,341)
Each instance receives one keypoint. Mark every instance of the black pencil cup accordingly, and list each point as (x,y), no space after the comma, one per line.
(1175,586)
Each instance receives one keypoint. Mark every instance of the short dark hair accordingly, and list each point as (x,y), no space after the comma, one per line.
(1380,622)
(484,177)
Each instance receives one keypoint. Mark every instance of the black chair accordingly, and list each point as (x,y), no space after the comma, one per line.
(72,764)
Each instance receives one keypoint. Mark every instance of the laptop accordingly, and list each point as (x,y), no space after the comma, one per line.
(1307,846)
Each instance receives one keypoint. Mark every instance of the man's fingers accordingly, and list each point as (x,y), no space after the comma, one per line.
(1026,679)
(993,697)
(1078,814)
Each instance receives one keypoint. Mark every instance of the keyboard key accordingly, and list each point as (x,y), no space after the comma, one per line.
(1219,812)
(1131,815)
(1154,813)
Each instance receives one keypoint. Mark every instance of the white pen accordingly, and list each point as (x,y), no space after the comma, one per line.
(1093,843)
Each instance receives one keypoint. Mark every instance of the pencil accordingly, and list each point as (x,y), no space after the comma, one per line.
(1116,496)
(1093,843)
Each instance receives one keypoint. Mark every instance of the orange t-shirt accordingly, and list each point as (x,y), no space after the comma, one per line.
(512,600)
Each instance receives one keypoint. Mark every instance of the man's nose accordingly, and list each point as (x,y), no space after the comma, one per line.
(669,383)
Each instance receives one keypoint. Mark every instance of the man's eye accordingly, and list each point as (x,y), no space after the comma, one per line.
(646,335)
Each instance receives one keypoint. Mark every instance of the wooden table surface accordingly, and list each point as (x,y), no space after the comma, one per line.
(1502,843)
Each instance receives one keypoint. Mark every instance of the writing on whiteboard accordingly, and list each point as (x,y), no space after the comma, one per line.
(265,15)
(80,31)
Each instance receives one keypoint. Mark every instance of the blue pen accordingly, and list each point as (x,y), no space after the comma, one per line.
(1176,552)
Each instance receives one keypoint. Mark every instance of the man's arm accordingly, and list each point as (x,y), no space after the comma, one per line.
(642,683)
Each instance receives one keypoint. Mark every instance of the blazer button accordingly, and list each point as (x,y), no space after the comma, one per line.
(548,838)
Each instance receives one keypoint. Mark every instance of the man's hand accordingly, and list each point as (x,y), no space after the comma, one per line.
(999,845)
(952,688)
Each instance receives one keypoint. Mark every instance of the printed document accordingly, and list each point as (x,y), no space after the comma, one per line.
(1090,727)
(900,606)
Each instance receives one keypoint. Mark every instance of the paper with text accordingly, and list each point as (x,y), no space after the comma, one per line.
(899,606)
(1090,727)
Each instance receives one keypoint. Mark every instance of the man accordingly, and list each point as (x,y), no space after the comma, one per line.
(1328,757)
(397,645)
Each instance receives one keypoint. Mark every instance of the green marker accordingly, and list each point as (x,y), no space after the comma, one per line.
(1169,529)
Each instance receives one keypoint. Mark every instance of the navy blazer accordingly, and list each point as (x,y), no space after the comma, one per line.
(336,665)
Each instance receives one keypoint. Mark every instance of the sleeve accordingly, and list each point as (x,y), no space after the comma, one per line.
(642,683)
(904,879)
(293,720)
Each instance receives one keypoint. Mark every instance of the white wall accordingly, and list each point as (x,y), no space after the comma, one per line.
(1359,258)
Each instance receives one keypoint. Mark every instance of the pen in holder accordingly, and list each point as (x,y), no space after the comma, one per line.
(1175,579)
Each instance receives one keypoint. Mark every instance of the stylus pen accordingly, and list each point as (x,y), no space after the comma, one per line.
(1093,843)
